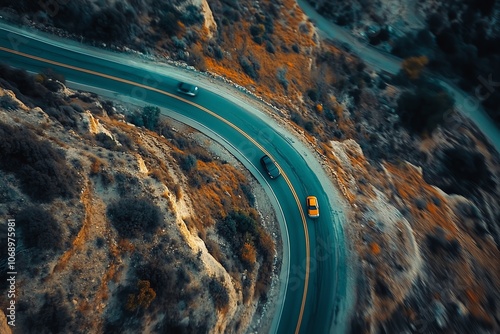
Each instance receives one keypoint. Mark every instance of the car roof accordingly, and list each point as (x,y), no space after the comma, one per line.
(312,200)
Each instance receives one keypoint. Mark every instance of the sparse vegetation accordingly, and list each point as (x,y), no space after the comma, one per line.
(41,169)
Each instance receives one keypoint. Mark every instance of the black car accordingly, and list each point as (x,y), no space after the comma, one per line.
(187,89)
(270,166)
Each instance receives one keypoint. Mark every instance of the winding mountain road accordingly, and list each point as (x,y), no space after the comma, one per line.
(315,295)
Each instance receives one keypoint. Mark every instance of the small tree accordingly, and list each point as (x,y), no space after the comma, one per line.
(150,116)
(413,66)
(423,110)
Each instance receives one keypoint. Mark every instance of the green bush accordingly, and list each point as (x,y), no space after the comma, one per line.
(463,172)
(52,317)
(187,162)
(250,66)
(150,117)
(423,110)
(169,23)
(192,15)
(134,217)
(65,115)
(40,229)
(218,292)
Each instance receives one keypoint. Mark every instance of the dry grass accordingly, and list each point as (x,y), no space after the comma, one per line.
(82,236)
(238,41)
(410,186)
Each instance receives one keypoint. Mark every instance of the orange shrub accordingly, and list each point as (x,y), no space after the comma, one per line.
(413,66)
(248,254)
(375,248)
(143,298)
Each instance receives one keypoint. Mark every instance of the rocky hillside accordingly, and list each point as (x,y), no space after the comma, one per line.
(421,181)
(124,229)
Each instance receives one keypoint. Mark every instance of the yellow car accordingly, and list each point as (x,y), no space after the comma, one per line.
(312,207)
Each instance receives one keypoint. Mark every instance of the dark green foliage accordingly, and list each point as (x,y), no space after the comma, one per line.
(39,229)
(247,191)
(231,14)
(40,168)
(187,162)
(250,66)
(218,292)
(108,107)
(105,141)
(437,243)
(423,110)
(150,116)
(22,82)
(447,41)
(235,227)
(134,217)
(218,53)
(108,25)
(380,36)
(52,317)
(382,289)
(462,46)
(281,76)
(21,5)
(136,119)
(462,172)
(7,103)
(466,165)
(125,140)
(312,94)
(270,47)
(192,15)
(169,20)
(165,280)
(198,178)
(309,126)
(257,30)
(297,118)
(127,185)
(65,115)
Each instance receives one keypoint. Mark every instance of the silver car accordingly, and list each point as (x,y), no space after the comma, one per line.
(187,89)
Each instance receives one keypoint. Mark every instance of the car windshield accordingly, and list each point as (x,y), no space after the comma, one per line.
(312,205)
(270,164)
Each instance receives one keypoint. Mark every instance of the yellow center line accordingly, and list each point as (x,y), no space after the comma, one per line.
(247,136)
